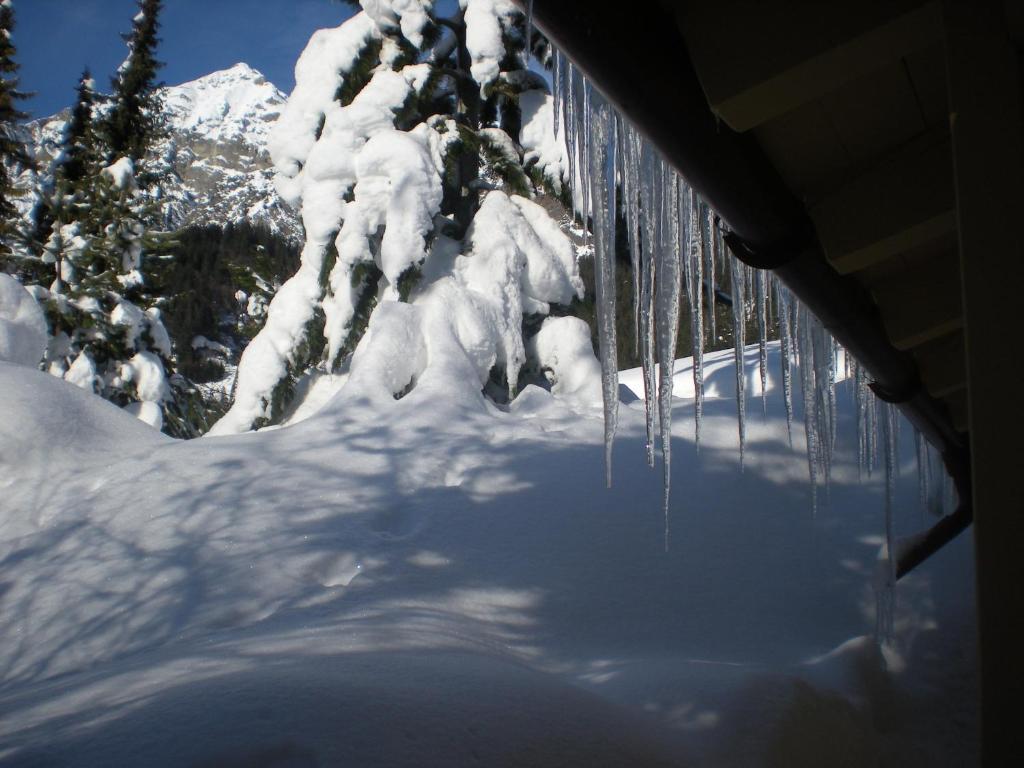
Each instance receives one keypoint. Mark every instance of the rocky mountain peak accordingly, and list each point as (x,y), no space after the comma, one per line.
(218,126)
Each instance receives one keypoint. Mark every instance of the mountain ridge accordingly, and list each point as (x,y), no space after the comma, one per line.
(218,126)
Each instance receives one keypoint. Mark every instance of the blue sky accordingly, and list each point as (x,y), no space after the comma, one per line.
(57,38)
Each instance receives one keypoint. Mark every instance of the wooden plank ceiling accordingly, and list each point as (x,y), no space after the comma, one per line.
(848,99)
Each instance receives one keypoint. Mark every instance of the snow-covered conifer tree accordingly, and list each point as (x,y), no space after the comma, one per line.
(131,124)
(414,147)
(13,154)
(97,227)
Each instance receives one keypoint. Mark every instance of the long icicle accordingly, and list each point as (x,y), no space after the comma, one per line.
(739,331)
(602,199)
(785,353)
(692,250)
(648,276)
(629,184)
(886,606)
(805,343)
(761,285)
(667,314)
(716,253)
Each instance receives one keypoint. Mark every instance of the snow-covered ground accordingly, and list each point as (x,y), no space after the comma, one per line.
(421,583)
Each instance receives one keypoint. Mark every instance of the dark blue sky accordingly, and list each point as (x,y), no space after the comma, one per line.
(57,38)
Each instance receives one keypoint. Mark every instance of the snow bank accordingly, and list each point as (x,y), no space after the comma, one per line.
(147,412)
(294,593)
(22,324)
(48,422)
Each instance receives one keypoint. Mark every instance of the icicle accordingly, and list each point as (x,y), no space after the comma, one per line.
(667,317)
(833,413)
(628,155)
(886,603)
(602,202)
(889,438)
(694,245)
(739,281)
(785,354)
(921,446)
(872,429)
(861,392)
(557,94)
(824,376)
(672,234)
(648,277)
(948,496)
(716,251)
(762,335)
(937,478)
(806,363)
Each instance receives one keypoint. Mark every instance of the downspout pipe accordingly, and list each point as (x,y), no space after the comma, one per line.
(659,92)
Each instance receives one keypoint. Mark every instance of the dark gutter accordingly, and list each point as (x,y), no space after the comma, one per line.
(657,89)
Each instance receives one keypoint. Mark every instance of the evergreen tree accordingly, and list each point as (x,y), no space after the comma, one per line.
(438,116)
(133,121)
(97,224)
(13,155)
(80,155)
(62,193)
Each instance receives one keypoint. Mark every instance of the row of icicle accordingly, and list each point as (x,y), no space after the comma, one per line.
(676,243)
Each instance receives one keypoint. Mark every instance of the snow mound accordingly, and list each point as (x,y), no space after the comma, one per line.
(419,581)
(22,324)
(335,710)
(563,347)
(46,420)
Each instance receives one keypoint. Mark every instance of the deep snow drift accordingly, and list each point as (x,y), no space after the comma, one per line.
(430,581)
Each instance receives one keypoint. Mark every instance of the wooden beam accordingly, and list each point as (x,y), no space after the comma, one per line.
(900,204)
(957,404)
(943,365)
(987,120)
(817,48)
(920,304)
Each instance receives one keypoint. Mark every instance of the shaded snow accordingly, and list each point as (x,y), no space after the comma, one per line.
(424,582)
(22,324)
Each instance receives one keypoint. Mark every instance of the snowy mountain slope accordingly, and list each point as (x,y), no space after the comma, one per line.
(217,144)
(422,582)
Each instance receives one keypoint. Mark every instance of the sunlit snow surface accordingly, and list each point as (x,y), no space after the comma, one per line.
(426,582)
